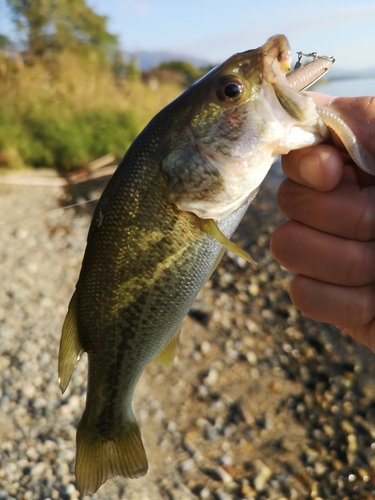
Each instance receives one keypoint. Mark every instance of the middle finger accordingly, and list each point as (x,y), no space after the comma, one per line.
(348,211)
(323,257)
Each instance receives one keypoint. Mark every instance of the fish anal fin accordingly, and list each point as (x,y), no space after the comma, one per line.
(210,227)
(168,353)
(70,347)
(99,459)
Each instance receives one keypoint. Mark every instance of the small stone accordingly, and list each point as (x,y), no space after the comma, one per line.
(252,358)
(264,475)
(226,460)
(221,495)
(186,465)
(32,454)
(28,390)
(320,469)
(212,378)
(224,475)
(38,470)
(205,494)
(202,391)
(210,433)
(244,410)
(247,491)
(172,427)
(254,289)
(72,491)
(74,403)
(205,347)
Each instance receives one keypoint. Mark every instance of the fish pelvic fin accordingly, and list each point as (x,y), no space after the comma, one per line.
(210,227)
(169,351)
(70,346)
(99,459)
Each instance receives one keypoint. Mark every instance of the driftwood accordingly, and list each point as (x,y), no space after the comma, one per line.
(101,167)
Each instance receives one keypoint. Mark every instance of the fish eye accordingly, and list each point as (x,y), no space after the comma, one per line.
(229,89)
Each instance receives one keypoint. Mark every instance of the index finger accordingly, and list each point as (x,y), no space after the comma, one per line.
(319,167)
(321,99)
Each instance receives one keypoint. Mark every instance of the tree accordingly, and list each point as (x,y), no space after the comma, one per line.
(55,25)
(189,72)
(4,42)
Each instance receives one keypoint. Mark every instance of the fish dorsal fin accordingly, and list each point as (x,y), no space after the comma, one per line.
(70,347)
(209,227)
(359,154)
(168,353)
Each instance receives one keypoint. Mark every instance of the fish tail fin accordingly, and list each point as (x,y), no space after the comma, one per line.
(99,458)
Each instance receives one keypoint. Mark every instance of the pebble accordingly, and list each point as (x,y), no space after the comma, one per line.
(211,378)
(264,474)
(186,465)
(226,460)
(205,347)
(224,475)
(205,493)
(221,495)
(294,394)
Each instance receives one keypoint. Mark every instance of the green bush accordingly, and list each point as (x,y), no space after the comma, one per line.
(66,112)
(67,142)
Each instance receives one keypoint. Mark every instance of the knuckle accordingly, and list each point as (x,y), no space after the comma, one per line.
(365,229)
(360,310)
(361,264)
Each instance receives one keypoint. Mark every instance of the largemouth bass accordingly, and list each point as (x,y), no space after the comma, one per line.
(160,229)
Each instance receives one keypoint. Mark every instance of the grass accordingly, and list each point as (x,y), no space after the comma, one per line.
(69,111)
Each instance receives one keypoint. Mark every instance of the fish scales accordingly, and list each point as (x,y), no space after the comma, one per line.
(160,229)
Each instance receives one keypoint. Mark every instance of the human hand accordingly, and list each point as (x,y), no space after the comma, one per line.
(329,241)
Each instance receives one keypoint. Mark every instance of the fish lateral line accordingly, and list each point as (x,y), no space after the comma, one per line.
(210,227)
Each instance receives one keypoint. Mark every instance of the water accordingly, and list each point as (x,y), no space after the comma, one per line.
(352,88)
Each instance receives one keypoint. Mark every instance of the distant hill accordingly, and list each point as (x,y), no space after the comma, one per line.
(149,60)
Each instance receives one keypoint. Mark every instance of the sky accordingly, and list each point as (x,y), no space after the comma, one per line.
(213,30)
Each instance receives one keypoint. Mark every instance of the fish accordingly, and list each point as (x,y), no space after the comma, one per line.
(160,229)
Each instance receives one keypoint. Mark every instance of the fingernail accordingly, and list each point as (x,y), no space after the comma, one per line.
(310,168)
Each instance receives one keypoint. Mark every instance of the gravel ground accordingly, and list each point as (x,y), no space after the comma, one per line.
(261,403)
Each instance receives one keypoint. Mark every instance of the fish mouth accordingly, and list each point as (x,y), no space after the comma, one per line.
(268,66)
(277,61)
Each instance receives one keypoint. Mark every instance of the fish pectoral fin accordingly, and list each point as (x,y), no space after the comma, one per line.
(70,347)
(169,351)
(99,457)
(359,154)
(209,227)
